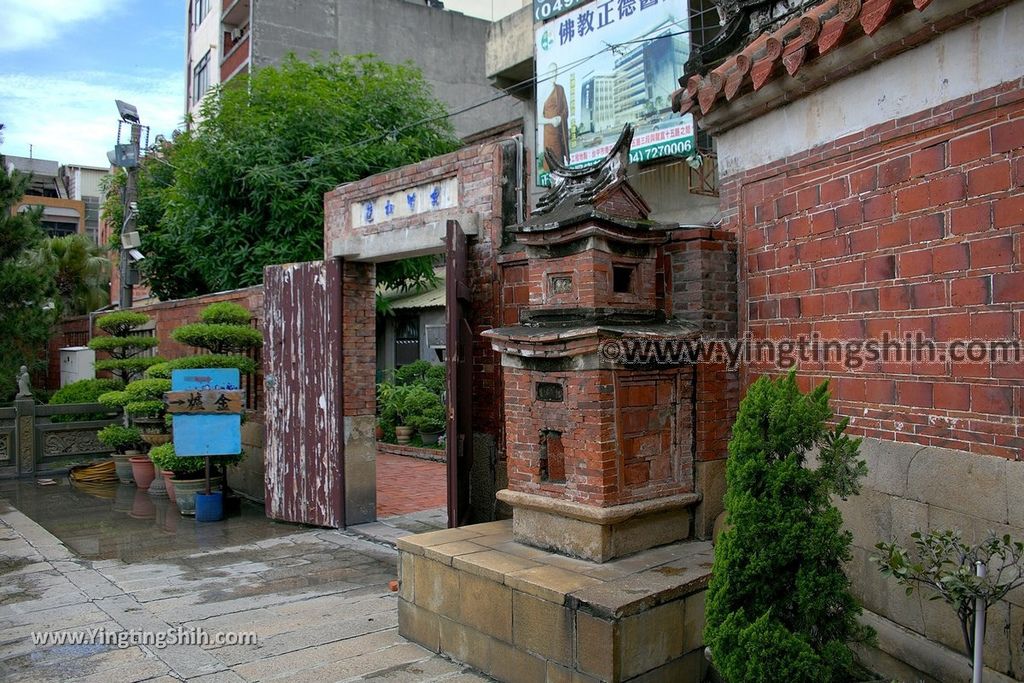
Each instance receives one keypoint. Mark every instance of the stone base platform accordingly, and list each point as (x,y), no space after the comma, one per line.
(518,613)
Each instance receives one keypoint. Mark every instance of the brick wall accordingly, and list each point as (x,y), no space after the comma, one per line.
(166,316)
(913,225)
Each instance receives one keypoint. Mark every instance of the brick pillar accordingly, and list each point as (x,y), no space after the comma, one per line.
(703,291)
(359,363)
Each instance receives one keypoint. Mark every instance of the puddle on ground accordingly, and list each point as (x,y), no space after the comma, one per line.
(118,521)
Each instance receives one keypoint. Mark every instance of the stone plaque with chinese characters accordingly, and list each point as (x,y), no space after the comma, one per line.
(435,196)
(207,406)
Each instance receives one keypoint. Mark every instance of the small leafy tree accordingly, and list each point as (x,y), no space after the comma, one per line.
(946,565)
(27,290)
(124,349)
(779,606)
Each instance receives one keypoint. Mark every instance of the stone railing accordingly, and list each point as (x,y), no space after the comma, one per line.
(31,442)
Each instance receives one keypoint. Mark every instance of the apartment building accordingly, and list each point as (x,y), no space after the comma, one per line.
(447,40)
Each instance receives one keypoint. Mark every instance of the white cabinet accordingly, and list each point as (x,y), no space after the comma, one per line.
(77,362)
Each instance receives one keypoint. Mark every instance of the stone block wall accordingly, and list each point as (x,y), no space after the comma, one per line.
(517,613)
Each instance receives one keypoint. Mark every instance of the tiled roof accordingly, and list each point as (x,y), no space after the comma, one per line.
(782,52)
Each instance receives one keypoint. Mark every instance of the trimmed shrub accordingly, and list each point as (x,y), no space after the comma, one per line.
(779,607)
(124,350)
(163,370)
(165,458)
(136,366)
(110,344)
(120,438)
(219,339)
(83,391)
(151,389)
(120,323)
(225,313)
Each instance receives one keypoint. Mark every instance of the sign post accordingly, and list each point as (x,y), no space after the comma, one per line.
(206,406)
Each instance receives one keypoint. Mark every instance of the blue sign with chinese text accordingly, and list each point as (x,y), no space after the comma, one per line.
(207,433)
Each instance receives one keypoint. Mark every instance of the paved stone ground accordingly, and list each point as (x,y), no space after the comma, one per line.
(318,600)
(407,485)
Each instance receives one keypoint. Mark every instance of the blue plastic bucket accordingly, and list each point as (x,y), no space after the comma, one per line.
(210,506)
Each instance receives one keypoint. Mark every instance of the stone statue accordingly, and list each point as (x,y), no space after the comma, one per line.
(24,384)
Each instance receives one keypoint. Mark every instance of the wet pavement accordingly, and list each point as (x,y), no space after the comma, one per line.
(118,521)
(318,601)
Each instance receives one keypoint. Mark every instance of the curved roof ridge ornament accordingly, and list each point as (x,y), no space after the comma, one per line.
(587,183)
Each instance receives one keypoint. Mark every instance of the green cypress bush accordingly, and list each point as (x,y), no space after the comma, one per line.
(779,606)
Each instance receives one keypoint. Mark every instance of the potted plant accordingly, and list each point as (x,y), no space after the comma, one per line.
(122,440)
(188,474)
(401,404)
(430,421)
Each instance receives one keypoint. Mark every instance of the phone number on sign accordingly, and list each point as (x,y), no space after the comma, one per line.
(549,9)
(676,148)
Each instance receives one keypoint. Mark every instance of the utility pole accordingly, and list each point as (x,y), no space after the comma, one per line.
(131,193)
(127,156)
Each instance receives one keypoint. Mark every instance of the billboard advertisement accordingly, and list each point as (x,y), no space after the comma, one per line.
(605,64)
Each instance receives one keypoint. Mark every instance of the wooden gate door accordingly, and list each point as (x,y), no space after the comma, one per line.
(459,390)
(302,356)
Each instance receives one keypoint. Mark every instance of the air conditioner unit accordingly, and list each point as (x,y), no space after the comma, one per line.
(236,35)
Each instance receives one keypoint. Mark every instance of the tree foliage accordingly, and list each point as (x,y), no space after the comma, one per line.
(81,269)
(27,290)
(779,606)
(947,566)
(244,188)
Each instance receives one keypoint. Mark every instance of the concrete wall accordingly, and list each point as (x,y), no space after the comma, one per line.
(447,46)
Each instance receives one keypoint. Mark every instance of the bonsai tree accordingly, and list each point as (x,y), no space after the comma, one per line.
(125,361)
(142,400)
(121,439)
(430,416)
(947,566)
(779,607)
(223,329)
(83,391)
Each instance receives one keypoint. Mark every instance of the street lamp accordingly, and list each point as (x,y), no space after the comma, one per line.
(126,156)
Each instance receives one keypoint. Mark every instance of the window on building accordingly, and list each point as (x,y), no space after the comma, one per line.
(705,22)
(201,78)
(200,8)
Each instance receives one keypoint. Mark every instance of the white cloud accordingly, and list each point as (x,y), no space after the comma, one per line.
(32,23)
(72,118)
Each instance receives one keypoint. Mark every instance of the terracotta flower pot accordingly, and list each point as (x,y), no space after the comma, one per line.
(186,490)
(169,481)
(403,434)
(142,471)
(379,433)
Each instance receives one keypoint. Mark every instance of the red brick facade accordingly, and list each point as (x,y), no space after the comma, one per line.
(914,225)
(166,316)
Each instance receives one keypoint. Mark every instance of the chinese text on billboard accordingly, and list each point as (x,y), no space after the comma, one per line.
(605,64)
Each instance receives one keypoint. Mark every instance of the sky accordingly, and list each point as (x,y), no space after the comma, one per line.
(64,62)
